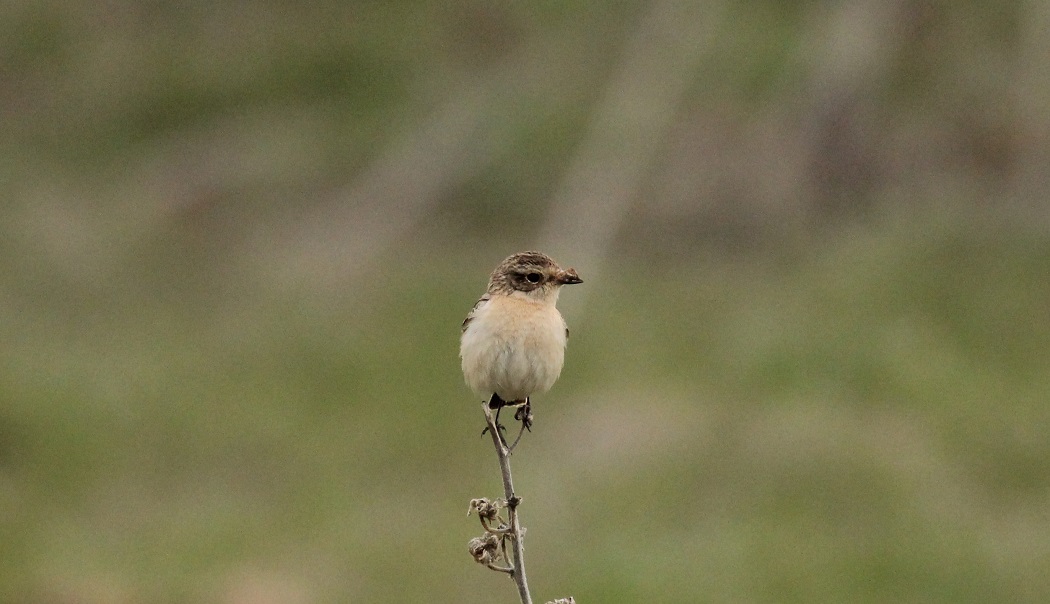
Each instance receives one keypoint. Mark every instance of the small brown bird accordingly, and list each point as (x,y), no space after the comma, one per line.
(513,341)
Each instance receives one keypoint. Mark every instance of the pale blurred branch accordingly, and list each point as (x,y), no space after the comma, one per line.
(1031,92)
(629,126)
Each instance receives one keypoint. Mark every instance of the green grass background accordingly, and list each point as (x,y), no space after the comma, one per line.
(847,406)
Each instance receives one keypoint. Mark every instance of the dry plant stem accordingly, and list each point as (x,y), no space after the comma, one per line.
(512,505)
(510,449)
(502,569)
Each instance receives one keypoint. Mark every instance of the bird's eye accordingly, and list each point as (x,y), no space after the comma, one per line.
(533,277)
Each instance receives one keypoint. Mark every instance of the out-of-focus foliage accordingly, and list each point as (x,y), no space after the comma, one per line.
(809,361)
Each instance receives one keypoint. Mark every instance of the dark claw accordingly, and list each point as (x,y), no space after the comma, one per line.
(501,427)
(524,415)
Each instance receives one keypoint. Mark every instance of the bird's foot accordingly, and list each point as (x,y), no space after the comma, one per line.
(502,432)
(524,415)
(498,404)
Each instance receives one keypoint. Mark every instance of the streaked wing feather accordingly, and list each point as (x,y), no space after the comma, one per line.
(470,316)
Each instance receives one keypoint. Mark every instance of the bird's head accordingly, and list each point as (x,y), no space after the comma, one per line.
(532,275)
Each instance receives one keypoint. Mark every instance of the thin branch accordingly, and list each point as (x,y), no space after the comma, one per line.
(510,449)
(501,569)
(516,532)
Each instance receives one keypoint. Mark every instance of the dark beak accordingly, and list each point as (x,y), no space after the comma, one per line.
(568,277)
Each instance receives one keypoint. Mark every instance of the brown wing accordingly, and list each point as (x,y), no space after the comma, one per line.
(470,315)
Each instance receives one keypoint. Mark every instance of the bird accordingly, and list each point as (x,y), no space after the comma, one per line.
(513,341)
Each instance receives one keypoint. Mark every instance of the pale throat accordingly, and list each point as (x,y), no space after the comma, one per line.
(541,295)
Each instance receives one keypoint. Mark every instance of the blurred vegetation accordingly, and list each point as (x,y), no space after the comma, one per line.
(809,362)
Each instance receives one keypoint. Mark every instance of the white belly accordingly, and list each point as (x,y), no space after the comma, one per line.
(513,348)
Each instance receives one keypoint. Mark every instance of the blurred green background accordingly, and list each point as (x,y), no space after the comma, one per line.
(810,361)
